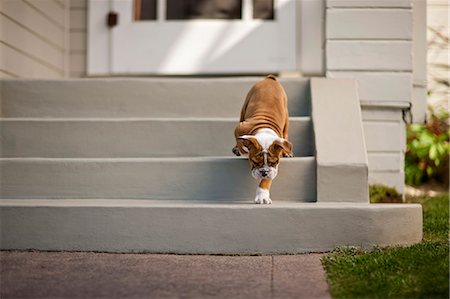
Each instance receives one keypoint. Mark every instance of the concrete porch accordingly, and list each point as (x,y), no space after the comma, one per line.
(145,165)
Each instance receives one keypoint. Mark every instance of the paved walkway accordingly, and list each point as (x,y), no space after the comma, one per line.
(103,275)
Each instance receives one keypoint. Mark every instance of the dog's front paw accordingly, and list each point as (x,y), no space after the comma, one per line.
(236,151)
(262,196)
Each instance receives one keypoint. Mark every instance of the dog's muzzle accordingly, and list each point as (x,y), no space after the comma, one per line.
(265,173)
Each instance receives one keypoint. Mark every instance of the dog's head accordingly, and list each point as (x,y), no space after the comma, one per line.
(264,160)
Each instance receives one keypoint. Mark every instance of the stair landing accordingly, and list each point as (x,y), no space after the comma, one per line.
(192,227)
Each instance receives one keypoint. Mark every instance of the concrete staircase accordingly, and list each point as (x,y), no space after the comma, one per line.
(127,165)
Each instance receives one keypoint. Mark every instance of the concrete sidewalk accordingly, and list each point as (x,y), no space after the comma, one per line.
(104,275)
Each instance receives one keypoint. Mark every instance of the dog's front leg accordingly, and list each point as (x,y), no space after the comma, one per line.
(263,192)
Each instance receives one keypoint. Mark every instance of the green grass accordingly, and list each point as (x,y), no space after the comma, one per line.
(435,218)
(418,271)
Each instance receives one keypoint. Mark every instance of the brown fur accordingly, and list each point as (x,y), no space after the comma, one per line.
(265,107)
(265,184)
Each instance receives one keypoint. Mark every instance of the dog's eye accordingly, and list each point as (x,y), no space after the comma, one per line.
(257,159)
(272,162)
(257,162)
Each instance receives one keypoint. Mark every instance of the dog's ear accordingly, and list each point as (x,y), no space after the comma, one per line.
(247,143)
(281,146)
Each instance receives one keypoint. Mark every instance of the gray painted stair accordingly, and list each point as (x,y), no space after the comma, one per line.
(202,178)
(136,137)
(159,138)
(197,227)
(162,97)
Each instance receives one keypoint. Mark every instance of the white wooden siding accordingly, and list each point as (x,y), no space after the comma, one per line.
(33,38)
(419,96)
(371,55)
(78,41)
(17,36)
(77,65)
(370,3)
(380,114)
(386,162)
(21,65)
(372,42)
(7,75)
(392,179)
(52,9)
(385,138)
(381,87)
(365,24)
(78,18)
(34,19)
(437,20)
(78,38)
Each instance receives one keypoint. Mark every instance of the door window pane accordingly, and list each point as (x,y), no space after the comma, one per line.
(204,9)
(263,9)
(145,10)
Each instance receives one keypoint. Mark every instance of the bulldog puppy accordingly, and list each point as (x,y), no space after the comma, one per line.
(262,133)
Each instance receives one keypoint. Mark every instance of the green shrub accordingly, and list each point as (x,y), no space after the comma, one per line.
(427,150)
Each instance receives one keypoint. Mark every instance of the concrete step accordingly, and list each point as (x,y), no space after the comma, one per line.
(132,97)
(204,228)
(132,137)
(201,178)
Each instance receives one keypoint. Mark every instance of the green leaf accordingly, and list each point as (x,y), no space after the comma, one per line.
(440,149)
(416,127)
(429,171)
(426,138)
(433,152)
(422,152)
(437,161)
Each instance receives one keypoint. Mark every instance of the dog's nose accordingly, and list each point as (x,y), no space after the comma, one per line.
(264,173)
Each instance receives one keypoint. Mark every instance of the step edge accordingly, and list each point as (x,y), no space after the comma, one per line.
(149,159)
(136,119)
(205,79)
(190,203)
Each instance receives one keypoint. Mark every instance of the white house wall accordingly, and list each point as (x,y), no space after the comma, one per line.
(33,38)
(384,131)
(419,96)
(370,3)
(78,38)
(438,21)
(372,41)
(359,23)
(396,86)
(310,38)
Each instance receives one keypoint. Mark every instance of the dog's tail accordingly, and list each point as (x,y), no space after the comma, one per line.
(271,77)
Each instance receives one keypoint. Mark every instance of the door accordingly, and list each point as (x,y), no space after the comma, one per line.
(173,37)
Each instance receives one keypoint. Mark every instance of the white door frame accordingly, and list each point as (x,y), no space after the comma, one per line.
(310,38)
